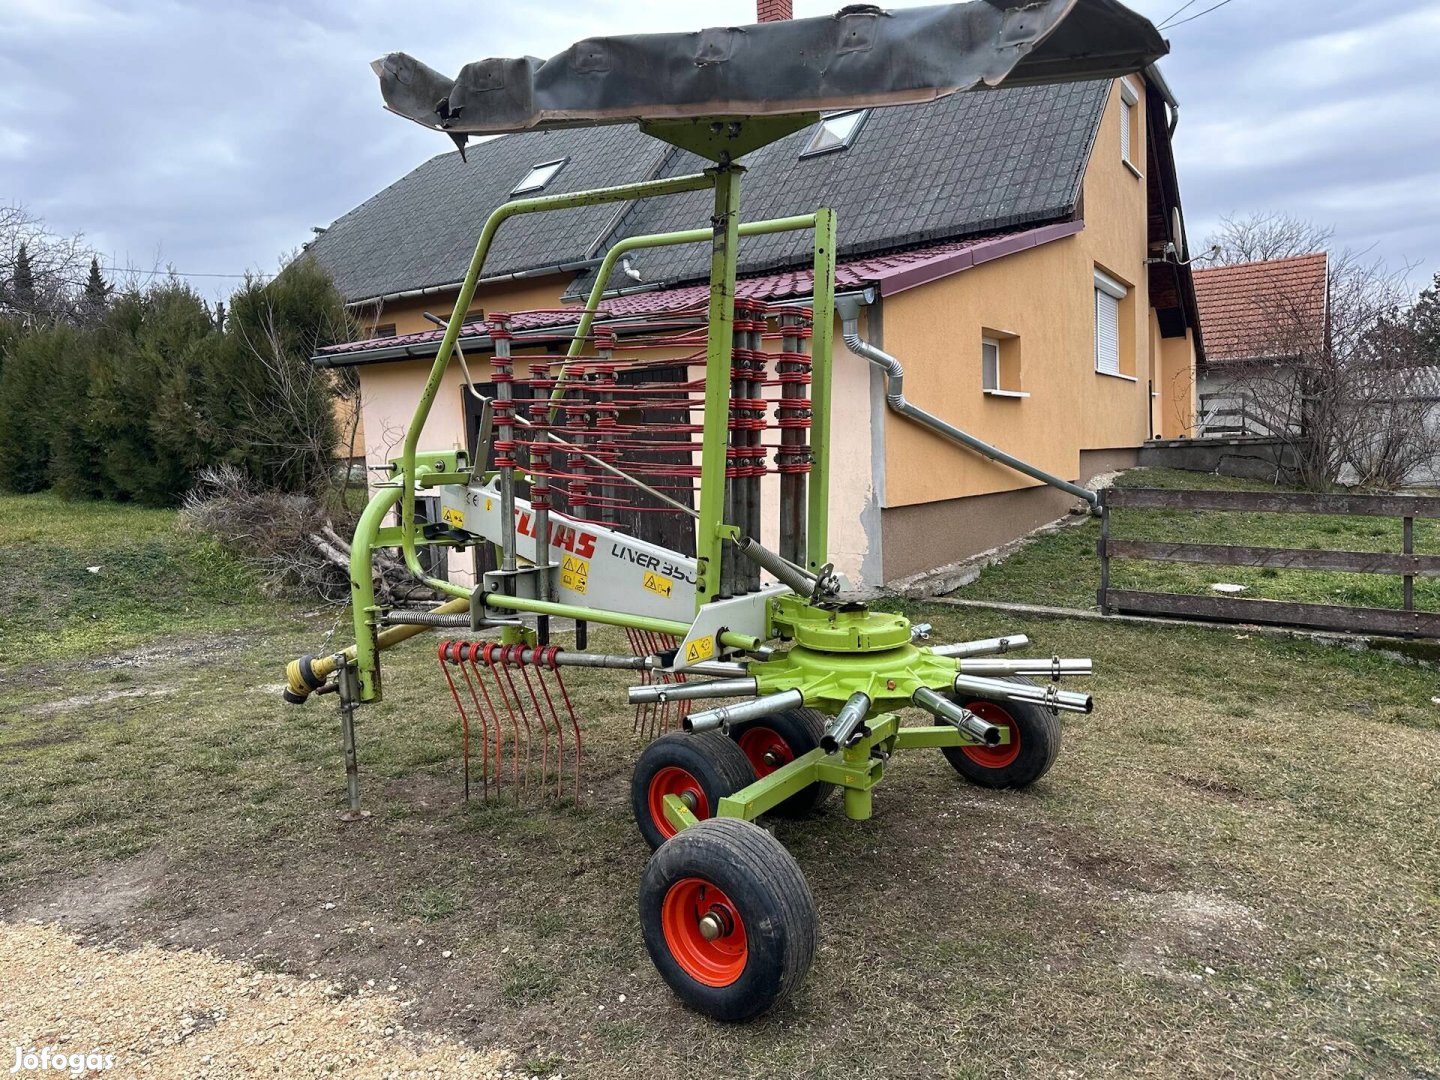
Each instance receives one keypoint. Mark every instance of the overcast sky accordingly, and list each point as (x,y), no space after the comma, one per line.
(211,137)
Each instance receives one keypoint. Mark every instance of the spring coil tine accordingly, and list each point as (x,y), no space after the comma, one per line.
(539,714)
(442,652)
(493,657)
(574,723)
(507,659)
(467,664)
(539,661)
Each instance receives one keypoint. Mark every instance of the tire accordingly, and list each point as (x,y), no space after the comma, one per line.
(785,736)
(744,879)
(1033,747)
(707,765)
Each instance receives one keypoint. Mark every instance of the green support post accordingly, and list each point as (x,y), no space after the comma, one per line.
(822,335)
(723,253)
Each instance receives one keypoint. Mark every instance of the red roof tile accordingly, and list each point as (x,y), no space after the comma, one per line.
(892,273)
(1262,309)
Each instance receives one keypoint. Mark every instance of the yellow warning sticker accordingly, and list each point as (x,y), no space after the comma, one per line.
(452,516)
(660,586)
(574,573)
(699,649)
(487,505)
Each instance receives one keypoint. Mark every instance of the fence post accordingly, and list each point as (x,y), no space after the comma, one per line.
(1103,549)
(1409,549)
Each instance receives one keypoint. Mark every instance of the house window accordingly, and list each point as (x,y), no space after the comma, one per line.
(1130,139)
(1111,300)
(835,132)
(1000,364)
(538,177)
(388,330)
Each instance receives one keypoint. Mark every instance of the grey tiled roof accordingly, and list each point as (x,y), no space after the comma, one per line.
(421,230)
(966,164)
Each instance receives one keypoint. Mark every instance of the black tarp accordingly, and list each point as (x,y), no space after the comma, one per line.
(862,56)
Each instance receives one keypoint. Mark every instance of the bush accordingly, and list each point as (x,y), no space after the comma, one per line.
(30,402)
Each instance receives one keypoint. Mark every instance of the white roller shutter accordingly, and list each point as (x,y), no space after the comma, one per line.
(1127,112)
(1107,333)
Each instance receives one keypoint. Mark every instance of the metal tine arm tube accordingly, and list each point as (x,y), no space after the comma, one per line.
(706,667)
(652,693)
(1049,696)
(1054,668)
(726,715)
(848,725)
(964,719)
(432,618)
(985,647)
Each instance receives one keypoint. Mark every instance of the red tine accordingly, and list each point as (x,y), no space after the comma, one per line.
(464,716)
(484,714)
(540,658)
(492,656)
(507,658)
(519,660)
(574,723)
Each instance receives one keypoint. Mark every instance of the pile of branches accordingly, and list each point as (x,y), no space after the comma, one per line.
(290,540)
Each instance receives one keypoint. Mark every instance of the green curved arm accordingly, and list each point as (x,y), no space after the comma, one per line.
(623,193)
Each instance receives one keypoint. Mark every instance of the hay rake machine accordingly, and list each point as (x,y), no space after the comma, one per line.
(760,686)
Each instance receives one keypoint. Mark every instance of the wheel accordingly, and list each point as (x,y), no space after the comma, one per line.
(1034,744)
(728,918)
(701,768)
(775,741)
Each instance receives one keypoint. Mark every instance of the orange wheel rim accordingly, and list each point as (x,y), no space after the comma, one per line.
(692,906)
(994,757)
(673,780)
(766,750)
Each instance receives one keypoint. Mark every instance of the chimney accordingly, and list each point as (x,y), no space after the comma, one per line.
(774,10)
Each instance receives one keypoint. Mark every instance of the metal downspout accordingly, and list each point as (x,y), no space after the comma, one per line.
(895,398)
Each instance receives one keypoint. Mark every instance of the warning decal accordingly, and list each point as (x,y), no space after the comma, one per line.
(574,573)
(451,516)
(657,584)
(699,649)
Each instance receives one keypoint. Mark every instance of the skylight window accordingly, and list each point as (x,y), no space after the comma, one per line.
(538,177)
(835,132)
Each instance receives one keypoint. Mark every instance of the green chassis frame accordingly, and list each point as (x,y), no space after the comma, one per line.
(720,141)
(860,768)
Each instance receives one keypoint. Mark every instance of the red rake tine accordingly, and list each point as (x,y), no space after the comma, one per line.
(493,660)
(539,713)
(442,652)
(542,657)
(574,723)
(507,657)
(484,713)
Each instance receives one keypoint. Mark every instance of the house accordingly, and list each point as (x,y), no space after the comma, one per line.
(1021,251)
(1261,320)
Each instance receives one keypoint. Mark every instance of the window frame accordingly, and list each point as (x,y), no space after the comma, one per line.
(811,150)
(1129,127)
(1003,342)
(1118,292)
(524,188)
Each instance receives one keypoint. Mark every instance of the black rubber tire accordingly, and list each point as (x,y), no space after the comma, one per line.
(717,764)
(1039,731)
(770,896)
(800,731)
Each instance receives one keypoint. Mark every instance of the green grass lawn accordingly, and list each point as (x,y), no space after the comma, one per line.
(1063,569)
(150,579)
(1233,868)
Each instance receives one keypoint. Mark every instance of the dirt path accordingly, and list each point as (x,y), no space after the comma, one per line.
(165,1013)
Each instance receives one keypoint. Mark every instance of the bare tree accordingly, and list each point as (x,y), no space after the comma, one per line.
(1262,236)
(42,274)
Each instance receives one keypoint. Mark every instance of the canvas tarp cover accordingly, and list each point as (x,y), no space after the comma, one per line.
(862,56)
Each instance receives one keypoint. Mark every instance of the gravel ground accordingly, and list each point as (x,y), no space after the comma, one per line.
(188,1014)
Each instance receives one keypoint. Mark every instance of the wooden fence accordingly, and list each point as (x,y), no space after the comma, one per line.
(1406,564)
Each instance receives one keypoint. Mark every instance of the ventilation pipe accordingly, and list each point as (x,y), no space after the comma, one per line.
(849,310)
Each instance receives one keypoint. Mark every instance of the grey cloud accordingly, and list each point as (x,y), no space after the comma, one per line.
(214,136)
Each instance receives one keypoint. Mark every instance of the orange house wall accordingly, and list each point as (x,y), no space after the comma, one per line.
(1046,296)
